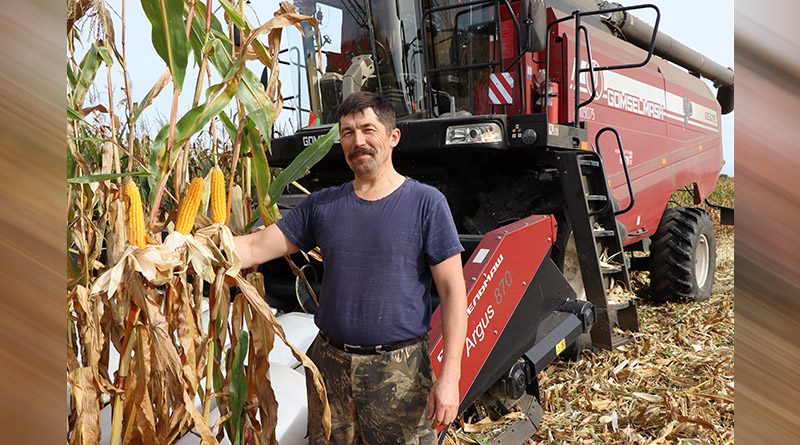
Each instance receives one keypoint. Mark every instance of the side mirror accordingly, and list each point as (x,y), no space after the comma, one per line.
(533,18)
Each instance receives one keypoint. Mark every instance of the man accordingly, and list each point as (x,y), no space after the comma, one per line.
(384,238)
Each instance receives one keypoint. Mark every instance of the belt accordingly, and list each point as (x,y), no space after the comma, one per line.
(372,350)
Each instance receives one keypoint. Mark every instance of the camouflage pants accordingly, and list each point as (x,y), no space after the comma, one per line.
(374,399)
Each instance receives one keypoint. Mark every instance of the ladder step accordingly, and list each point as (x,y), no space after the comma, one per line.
(601,233)
(598,198)
(618,305)
(588,166)
(637,233)
(618,340)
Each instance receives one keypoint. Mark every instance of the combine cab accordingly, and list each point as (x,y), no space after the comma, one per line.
(557,132)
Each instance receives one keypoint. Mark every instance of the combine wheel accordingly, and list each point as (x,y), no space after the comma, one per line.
(683,256)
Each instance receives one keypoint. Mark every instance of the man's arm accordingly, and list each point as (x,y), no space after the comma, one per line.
(263,246)
(444,399)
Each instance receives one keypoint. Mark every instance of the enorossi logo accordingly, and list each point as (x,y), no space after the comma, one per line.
(484,285)
(478,331)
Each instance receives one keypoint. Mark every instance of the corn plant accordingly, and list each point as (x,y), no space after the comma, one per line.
(155,329)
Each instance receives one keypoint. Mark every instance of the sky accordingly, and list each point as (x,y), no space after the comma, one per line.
(706,26)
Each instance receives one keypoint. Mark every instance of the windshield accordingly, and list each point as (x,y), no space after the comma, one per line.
(461,53)
(368,46)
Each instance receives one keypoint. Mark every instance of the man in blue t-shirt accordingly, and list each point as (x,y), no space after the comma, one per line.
(385,239)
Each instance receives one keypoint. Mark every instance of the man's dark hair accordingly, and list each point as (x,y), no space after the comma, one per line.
(361,100)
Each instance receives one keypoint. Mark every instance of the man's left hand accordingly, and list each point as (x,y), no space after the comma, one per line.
(443,401)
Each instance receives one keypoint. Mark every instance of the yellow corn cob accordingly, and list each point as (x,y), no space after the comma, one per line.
(218,199)
(134,217)
(187,210)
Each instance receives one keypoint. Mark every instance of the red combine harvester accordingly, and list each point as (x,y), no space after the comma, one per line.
(518,111)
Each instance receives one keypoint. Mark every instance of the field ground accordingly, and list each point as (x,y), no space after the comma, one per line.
(673,385)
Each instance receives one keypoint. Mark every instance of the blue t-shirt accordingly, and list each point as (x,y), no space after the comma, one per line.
(377,256)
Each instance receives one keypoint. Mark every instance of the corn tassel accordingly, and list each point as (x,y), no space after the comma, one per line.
(218,197)
(187,211)
(134,216)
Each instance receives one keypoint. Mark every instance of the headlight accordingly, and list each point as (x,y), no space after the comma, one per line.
(474,134)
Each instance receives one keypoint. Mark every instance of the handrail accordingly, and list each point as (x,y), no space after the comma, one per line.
(458,5)
(624,164)
(591,74)
(652,38)
(576,16)
(462,67)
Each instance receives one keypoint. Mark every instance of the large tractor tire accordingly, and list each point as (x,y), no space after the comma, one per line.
(683,256)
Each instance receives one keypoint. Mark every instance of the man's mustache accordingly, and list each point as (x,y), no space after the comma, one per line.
(361,151)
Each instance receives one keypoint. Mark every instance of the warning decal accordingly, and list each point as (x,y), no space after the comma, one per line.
(500,88)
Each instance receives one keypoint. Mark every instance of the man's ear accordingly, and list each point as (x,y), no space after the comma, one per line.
(394,137)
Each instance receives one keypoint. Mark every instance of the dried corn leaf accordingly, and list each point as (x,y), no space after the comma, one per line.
(167,363)
(263,310)
(263,341)
(72,345)
(487,424)
(198,255)
(237,211)
(115,232)
(85,395)
(155,262)
(138,408)
(653,398)
(218,240)
(601,405)
(188,332)
(285,16)
(92,339)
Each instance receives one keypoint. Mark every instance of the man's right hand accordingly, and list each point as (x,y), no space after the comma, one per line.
(443,400)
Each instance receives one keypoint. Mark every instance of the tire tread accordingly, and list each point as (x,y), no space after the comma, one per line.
(671,255)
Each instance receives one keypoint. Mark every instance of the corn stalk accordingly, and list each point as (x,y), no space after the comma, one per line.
(143,299)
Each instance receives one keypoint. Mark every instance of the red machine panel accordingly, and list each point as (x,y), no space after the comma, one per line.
(668,122)
(497,275)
